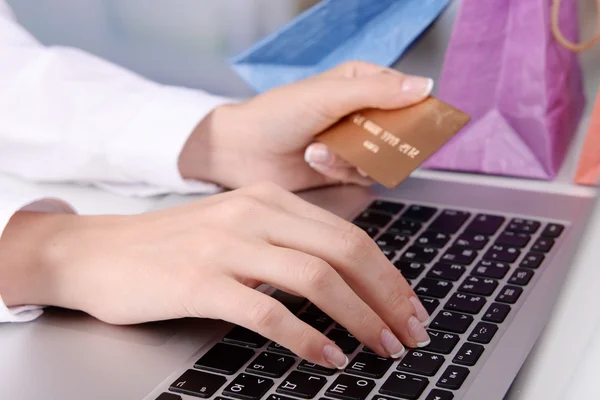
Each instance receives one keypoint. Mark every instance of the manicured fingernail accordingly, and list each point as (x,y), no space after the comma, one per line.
(317,155)
(362,173)
(335,356)
(422,313)
(417,86)
(391,344)
(418,332)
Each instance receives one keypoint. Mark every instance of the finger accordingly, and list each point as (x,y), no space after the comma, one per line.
(363,266)
(343,175)
(268,317)
(316,280)
(319,153)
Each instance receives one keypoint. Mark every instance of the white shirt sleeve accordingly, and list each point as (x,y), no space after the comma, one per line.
(66,115)
(8,206)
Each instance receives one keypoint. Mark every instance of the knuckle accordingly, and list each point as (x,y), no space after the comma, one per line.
(239,207)
(265,315)
(318,274)
(266,188)
(399,303)
(306,344)
(356,244)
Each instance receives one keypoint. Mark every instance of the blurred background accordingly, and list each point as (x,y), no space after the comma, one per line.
(179,42)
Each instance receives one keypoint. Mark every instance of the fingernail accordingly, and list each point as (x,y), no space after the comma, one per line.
(422,314)
(417,86)
(335,356)
(317,155)
(362,173)
(391,344)
(418,332)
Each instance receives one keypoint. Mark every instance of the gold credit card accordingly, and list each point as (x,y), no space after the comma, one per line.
(390,144)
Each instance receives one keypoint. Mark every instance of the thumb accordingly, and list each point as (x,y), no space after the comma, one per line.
(385,90)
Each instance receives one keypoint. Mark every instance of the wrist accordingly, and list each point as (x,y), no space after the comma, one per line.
(211,150)
(30,265)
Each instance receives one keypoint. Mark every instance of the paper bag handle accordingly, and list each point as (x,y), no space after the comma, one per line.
(575,47)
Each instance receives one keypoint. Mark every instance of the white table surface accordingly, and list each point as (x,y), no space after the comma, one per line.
(550,368)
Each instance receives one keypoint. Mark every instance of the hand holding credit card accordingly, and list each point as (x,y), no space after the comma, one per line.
(390,144)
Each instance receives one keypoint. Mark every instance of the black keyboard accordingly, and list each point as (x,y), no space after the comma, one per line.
(471,272)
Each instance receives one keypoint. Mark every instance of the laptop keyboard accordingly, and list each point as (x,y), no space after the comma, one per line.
(470,271)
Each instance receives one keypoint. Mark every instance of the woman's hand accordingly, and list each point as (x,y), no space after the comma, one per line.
(205,259)
(270,137)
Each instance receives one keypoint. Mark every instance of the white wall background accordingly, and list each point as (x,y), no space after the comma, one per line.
(182,42)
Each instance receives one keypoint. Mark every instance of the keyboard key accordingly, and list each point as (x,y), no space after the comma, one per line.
(433,288)
(168,396)
(312,309)
(429,304)
(513,239)
(291,302)
(409,270)
(553,231)
(369,365)
(520,225)
(453,377)
(509,294)
(433,239)
(448,272)
(419,213)
(373,218)
(521,276)
(532,260)
(470,240)
(502,253)
(483,333)
(224,359)
(405,386)
(386,206)
(245,337)
(198,383)
(347,387)
(486,224)
(442,342)
(459,255)
(315,368)
(371,230)
(452,322)
(468,354)
(497,313)
(465,303)
(319,322)
(271,365)
(419,254)
(248,387)
(389,252)
(300,384)
(277,397)
(405,227)
(392,240)
(478,286)
(276,347)
(543,245)
(449,221)
(491,269)
(344,340)
(437,394)
(419,362)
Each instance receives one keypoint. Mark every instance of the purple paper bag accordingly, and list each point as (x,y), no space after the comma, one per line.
(523,90)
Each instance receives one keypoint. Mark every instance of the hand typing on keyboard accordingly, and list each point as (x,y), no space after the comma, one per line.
(205,259)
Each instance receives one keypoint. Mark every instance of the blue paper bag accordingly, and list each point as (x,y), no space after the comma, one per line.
(334,31)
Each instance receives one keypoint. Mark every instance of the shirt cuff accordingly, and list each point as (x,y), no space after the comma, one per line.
(8,207)
(148,150)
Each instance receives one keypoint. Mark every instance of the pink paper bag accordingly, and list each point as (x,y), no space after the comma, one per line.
(522,88)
